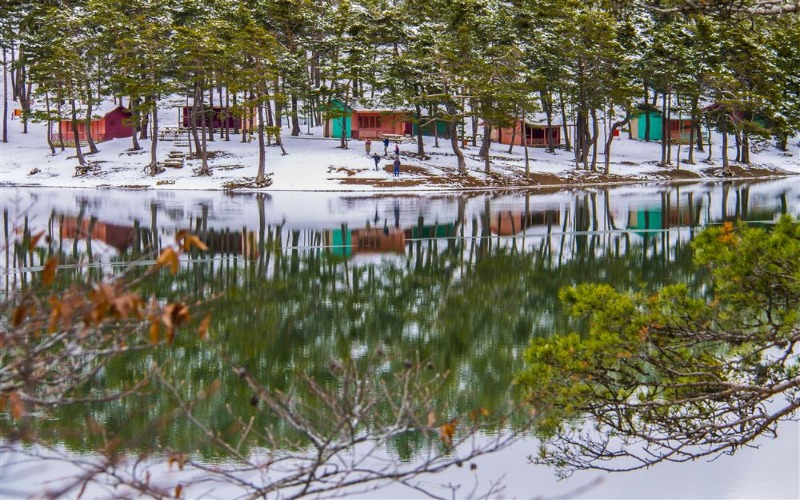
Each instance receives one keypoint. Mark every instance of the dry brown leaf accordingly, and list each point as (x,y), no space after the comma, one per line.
(168,257)
(18,315)
(177,458)
(447,431)
(431,418)
(155,332)
(128,305)
(202,330)
(34,240)
(17,406)
(49,271)
(178,491)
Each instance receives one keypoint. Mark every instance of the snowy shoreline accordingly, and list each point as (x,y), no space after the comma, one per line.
(317,164)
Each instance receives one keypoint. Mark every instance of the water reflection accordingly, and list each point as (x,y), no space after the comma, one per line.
(304,278)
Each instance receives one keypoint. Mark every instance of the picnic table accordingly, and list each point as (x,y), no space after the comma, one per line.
(399,138)
(170,133)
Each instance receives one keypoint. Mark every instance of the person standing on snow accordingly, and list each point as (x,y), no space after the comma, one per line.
(368,146)
(386,146)
(397,149)
(377,159)
(397,166)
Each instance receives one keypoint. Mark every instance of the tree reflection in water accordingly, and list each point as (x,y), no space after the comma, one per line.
(462,297)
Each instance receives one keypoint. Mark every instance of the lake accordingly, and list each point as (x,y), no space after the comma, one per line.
(465,280)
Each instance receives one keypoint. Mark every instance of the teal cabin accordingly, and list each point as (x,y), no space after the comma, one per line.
(679,129)
(338,119)
(441,128)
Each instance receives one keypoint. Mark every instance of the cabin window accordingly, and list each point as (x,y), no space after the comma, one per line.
(370,121)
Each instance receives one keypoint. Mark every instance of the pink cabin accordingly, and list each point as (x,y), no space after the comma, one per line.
(115,124)
(536,134)
(373,123)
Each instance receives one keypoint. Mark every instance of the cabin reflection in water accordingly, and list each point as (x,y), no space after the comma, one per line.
(125,238)
(508,223)
(117,236)
(347,242)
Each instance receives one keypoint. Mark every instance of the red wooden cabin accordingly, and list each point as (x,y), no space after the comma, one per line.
(115,124)
(216,117)
(373,123)
(536,134)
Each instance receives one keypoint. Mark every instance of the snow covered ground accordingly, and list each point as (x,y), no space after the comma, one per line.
(314,163)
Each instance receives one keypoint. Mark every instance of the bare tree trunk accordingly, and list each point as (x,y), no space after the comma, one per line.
(5,100)
(240,118)
(525,142)
(295,117)
(420,143)
(668,111)
(724,129)
(276,128)
(211,114)
(693,129)
(134,106)
(154,136)
(485,148)
(567,144)
(228,114)
(145,125)
(60,117)
(88,121)
(745,148)
(547,105)
(76,135)
(514,137)
(664,130)
(262,152)
(593,140)
(646,115)
(435,129)
(49,123)
(614,127)
(193,118)
(453,126)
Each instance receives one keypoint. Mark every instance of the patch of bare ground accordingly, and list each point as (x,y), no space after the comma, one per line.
(342,170)
(676,174)
(743,171)
(248,183)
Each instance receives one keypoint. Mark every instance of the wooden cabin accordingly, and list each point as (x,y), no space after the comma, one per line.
(373,123)
(534,133)
(361,123)
(217,117)
(680,129)
(114,124)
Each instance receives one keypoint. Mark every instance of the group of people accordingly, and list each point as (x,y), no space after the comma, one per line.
(376,157)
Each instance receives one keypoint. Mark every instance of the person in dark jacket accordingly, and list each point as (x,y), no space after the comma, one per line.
(397,149)
(377,159)
(386,146)
(397,166)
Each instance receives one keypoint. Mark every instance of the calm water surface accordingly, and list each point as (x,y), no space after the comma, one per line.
(466,280)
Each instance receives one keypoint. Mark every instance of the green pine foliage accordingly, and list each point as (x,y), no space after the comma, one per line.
(672,376)
(459,62)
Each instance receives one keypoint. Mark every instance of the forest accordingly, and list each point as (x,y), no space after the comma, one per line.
(729,66)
